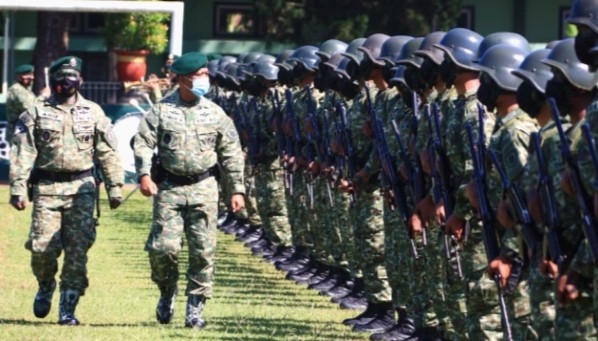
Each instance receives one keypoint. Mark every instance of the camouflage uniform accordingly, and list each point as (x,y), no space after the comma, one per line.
(59,143)
(481,310)
(576,319)
(191,138)
(368,210)
(269,181)
(511,142)
(18,99)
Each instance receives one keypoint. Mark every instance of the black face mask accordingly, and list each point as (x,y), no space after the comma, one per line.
(407,96)
(365,69)
(387,73)
(348,88)
(448,72)
(488,92)
(414,80)
(530,99)
(429,72)
(585,41)
(562,91)
(65,85)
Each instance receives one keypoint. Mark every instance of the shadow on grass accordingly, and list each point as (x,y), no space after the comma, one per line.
(24,322)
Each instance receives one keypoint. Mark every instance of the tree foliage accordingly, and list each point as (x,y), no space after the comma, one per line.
(311,21)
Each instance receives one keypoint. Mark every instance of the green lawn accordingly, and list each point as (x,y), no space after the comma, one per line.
(252,299)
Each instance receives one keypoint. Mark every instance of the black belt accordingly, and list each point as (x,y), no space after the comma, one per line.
(185,180)
(41,174)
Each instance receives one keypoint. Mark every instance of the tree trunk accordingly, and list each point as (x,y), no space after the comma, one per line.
(52,42)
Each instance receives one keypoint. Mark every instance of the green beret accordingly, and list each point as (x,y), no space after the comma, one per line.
(189,63)
(68,62)
(214,56)
(25,68)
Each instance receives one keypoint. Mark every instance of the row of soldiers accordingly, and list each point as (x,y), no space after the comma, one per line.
(442,184)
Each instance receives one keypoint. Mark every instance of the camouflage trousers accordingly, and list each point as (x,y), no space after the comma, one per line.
(368,247)
(62,223)
(541,291)
(340,213)
(271,205)
(326,233)
(296,202)
(397,251)
(173,215)
(250,212)
(575,321)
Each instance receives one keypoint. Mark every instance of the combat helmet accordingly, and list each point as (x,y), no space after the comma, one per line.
(330,47)
(353,51)
(534,71)
(266,70)
(373,44)
(563,58)
(584,12)
(390,50)
(461,46)
(427,48)
(407,56)
(306,56)
(499,61)
(500,38)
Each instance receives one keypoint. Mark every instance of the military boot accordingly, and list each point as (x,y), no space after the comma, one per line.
(384,318)
(195,305)
(43,298)
(165,308)
(66,311)
(404,329)
(366,316)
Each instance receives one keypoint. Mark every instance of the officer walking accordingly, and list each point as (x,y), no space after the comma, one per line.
(192,135)
(56,142)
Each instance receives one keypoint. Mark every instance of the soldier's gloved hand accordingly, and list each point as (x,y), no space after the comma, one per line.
(18,202)
(455,226)
(115,202)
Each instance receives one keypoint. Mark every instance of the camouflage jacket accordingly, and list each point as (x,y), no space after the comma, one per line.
(64,138)
(190,139)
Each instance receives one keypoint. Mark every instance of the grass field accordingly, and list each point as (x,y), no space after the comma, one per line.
(252,300)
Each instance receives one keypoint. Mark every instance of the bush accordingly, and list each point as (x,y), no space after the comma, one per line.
(136,31)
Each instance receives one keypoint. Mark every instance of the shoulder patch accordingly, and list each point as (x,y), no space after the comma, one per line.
(232,133)
(20,128)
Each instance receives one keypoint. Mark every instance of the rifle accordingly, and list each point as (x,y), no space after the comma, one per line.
(488,232)
(327,156)
(583,199)
(441,190)
(389,177)
(549,206)
(528,228)
(280,137)
(293,141)
(313,137)
(347,143)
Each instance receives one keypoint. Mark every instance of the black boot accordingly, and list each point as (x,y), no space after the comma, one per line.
(366,316)
(165,308)
(43,299)
(303,275)
(66,311)
(281,253)
(250,235)
(328,282)
(383,320)
(355,301)
(299,258)
(195,304)
(343,286)
(403,330)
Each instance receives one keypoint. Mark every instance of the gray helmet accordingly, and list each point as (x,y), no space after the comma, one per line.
(267,70)
(266,58)
(534,71)
(343,64)
(427,48)
(372,46)
(391,49)
(334,60)
(353,51)
(407,56)
(282,58)
(563,58)
(507,38)
(306,56)
(499,61)
(229,73)
(213,67)
(251,57)
(399,76)
(584,12)
(330,47)
(461,46)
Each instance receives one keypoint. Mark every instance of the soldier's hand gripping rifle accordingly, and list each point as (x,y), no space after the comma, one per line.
(549,206)
(389,176)
(441,182)
(583,199)
(528,231)
(489,234)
